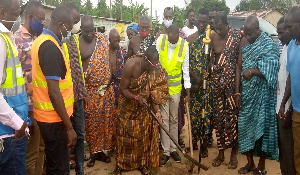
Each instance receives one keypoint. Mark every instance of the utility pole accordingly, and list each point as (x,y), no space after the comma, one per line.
(121,1)
(110,15)
(151,13)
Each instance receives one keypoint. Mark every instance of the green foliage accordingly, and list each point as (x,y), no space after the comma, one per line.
(280,5)
(207,4)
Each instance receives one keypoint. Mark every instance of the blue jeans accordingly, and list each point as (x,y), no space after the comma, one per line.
(78,122)
(13,157)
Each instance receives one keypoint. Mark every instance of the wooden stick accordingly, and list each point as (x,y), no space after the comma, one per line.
(189,128)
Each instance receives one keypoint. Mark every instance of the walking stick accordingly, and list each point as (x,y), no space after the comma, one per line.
(174,140)
(189,128)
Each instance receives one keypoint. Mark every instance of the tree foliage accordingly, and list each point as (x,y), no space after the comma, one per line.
(280,5)
(208,4)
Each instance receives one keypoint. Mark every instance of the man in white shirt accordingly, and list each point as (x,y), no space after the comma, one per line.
(13,98)
(190,28)
(285,132)
(174,57)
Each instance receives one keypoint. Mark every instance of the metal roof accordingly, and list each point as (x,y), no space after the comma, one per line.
(259,13)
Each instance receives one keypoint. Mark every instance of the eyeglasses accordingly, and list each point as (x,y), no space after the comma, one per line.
(154,65)
(42,21)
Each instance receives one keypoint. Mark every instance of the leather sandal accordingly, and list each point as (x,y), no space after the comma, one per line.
(91,161)
(101,156)
(144,170)
(117,171)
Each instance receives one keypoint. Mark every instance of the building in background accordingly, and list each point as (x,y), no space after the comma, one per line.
(270,15)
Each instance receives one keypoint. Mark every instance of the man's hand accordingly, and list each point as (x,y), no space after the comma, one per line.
(247,75)
(142,101)
(205,74)
(159,116)
(21,132)
(86,101)
(198,80)
(187,99)
(195,88)
(238,101)
(72,138)
(281,111)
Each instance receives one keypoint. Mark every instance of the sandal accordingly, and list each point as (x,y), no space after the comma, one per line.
(245,170)
(259,172)
(217,162)
(101,156)
(91,161)
(117,171)
(86,157)
(233,164)
(144,170)
(203,152)
(72,164)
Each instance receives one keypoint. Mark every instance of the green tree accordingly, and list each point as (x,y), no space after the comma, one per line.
(280,5)
(88,8)
(101,9)
(207,4)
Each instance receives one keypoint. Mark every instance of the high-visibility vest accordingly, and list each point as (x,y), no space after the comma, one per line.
(13,88)
(174,66)
(43,108)
(79,55)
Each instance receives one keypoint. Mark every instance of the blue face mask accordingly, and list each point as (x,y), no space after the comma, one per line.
(37,27)
(69,35)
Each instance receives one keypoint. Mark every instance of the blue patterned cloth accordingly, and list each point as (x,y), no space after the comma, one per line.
(257,121)
(201,98)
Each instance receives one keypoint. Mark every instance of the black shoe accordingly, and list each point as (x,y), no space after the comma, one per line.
(176,157)
(164,160)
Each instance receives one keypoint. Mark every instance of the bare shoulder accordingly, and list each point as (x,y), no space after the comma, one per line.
(192,37)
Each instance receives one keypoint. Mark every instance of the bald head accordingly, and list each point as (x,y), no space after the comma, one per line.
(251,29)
(87,28)
(87,20)
(113,33)
(252,21)
(114,38)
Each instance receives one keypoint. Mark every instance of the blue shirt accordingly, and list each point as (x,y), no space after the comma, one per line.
(293,65)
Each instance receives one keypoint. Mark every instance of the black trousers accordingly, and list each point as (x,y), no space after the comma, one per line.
(56,148)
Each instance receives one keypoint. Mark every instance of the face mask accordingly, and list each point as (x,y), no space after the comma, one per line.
(168,23)
(37,27)
(76,28)
(173,46)
(144,34)
(16,24)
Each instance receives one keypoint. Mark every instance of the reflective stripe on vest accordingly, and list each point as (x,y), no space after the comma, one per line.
(174,66)
(14,83)
(79,55)
(13,88)
(43,108)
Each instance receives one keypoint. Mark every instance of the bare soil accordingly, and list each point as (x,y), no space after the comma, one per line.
(173,168)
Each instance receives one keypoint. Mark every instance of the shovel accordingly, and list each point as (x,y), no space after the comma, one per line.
(175,142)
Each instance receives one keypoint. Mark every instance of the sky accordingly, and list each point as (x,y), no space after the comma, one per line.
(159,5)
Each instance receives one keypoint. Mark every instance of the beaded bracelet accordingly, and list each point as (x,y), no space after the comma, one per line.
(137,97)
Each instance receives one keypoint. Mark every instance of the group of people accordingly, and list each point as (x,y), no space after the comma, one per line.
(63,83)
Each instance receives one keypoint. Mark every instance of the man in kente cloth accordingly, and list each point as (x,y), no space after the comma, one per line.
(224,54)
(200,98)
(117,56)
(256,80)
(143,80)
(143,40)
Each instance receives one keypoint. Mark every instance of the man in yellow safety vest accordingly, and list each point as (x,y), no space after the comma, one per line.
(174,57)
